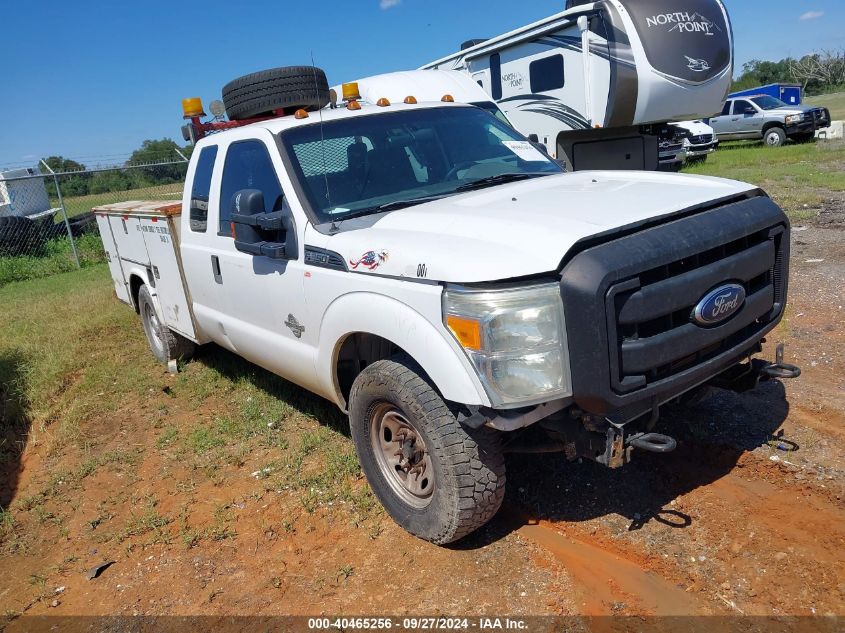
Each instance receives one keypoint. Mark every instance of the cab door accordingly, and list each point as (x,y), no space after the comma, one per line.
(746,120)
(252,304)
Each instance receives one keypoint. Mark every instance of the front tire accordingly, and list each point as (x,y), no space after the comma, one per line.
(165,344)
(774,137)
(437,479)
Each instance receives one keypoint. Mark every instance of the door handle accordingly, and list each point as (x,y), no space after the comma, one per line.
(215,268)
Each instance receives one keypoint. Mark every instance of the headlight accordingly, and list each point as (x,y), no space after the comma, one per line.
(794,118)
(515,339)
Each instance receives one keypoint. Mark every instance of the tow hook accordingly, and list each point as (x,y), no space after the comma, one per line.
(779,369)
(745,377)
(652,442)
(619,447)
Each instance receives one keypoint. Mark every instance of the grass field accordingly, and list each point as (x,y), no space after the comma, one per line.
(73,358)
(800,177)
(835,102)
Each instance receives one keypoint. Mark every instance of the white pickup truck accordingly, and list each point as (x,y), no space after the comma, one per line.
(455,292)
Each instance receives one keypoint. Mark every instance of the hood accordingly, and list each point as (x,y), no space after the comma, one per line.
(515,230)
(793,109)
(695,128)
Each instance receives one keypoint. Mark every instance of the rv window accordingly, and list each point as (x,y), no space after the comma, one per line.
(495,76)
(546,74)
(200,189)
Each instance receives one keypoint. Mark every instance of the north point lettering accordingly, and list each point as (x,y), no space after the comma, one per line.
(683,22)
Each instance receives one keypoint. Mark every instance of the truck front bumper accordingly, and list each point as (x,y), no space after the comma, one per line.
(697,151)
(629,301)
(805,127)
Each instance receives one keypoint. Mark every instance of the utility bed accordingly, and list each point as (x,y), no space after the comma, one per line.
(156,257)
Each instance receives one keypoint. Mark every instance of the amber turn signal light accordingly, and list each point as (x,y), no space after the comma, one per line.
(467,331)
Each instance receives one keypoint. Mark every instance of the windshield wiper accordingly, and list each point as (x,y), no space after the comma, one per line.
(500,179)
(389,206)
(402,204)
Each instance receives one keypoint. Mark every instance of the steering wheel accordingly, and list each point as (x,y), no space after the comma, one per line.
(452,174)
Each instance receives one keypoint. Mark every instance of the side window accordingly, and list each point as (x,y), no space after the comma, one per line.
(496,76)
(741,106)
(546,74)
(727,109)
(200,189)
(247,166)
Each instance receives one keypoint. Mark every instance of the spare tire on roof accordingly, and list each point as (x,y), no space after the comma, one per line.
(288,88)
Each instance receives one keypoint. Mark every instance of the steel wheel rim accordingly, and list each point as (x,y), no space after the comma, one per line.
(153,326)
(401,455)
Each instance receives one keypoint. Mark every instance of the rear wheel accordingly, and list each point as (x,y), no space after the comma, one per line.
(438,480)
(165,344)
(774,136)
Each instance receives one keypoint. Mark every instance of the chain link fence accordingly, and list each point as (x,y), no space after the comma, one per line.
(46,224)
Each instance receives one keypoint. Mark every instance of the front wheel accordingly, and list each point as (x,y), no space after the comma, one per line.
(774,137)
(436,479)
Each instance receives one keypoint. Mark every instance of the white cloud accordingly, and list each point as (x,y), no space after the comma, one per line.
(810,15)
(389,4)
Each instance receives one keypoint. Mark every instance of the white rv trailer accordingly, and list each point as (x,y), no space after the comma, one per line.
(646,62)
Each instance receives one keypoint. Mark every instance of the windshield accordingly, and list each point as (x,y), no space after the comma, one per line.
(768,103)
(370,164)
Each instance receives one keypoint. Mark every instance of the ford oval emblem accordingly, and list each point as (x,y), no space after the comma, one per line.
(719,305)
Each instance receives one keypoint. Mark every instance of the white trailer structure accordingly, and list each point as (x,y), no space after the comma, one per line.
(647,62)
(22,194)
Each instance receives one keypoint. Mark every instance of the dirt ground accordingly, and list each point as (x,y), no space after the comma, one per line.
(746,517)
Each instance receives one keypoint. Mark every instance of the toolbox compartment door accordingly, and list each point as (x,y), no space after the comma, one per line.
(162,246)
(121,287)
(126,231)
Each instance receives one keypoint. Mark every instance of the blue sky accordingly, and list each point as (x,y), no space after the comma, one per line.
(92,79)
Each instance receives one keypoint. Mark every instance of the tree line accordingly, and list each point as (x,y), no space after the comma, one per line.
(817,73)
(143,173)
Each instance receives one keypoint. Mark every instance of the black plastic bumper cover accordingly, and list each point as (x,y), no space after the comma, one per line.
(593,280)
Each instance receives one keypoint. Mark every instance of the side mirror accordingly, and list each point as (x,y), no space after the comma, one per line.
(260,233)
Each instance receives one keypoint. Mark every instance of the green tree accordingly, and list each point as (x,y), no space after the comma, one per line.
(74,184)
(760,73)
(159,151)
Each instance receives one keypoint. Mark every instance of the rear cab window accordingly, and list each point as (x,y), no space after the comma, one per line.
(247,166)
(200,189)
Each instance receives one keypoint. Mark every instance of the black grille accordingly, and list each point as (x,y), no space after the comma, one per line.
(650,321)
(629,299)
(821,116)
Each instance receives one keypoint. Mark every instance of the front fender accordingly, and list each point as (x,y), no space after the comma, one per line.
(436,352)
